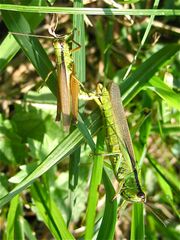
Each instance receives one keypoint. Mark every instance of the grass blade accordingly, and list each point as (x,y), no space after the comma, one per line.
(91,11)
(165,92)
(137,224)
(95,182)
(10,47)
(16,22)
(133,84)
(108,223)
(12,218)
(79,56)
(51,215)
(7,51)
(156,3)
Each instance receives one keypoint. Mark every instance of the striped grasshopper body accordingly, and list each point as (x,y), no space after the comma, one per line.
(119,143)
(68,85)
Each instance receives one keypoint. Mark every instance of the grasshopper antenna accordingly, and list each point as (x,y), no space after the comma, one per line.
(156,214)
(54,22)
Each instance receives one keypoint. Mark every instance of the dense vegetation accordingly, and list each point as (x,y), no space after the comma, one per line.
(52,185)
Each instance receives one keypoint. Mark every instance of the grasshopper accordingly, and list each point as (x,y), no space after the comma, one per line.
(119,143)
(67,83)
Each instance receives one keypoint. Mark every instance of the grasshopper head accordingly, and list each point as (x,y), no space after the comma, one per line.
(131,192)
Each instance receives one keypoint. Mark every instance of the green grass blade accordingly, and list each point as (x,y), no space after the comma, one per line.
(150,22)
(86,134)
(79,56)
(12,218)
(169,129)
(137,224)
(108,223)
(66,147)
(169,177)
(95,182)
(49,212)
(91,11)
(7,51)
(134,84)
(79,62)
(16,22)
(165,92)
(168,193)
(74,169)
(10,47)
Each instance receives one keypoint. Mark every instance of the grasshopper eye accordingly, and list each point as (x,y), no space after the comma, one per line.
(142,196)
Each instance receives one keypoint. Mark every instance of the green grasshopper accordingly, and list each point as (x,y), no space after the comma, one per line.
(119,143)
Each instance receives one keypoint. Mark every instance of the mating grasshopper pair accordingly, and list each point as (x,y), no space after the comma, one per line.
(109,100)
(118,136)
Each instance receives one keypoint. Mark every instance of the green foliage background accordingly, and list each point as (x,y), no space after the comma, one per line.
(46,194)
